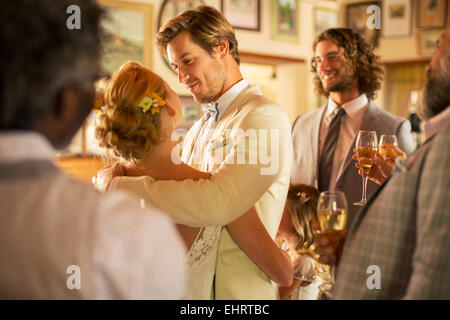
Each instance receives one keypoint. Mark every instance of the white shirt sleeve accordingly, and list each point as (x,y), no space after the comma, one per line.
(137,253)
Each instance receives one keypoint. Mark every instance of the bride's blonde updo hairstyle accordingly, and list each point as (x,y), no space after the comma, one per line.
(121,125)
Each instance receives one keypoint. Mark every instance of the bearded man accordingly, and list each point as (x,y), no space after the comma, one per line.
(347,72)
(399,244)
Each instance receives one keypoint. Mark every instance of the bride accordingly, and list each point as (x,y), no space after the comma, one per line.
(135,126)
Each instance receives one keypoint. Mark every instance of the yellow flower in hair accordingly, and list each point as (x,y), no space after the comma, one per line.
(146,104)
(153,102)
(157,99)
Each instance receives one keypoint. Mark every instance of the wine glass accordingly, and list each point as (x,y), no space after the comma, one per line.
(386,143)
(366,149)
(332,215)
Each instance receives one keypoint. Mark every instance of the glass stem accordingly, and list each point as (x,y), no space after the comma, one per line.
(365,188)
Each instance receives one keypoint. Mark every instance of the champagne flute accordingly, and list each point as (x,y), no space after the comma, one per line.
(387,141)
(332,215)
(366,149)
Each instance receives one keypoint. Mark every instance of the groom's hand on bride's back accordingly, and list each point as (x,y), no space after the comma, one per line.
(105,175)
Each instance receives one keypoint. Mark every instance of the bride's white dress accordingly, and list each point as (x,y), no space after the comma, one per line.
(201,257)
(201,264)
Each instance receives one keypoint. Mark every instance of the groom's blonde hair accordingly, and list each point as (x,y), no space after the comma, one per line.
(206,26)
(121,126)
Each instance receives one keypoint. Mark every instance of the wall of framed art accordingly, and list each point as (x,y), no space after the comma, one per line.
(285,29)
(400,32)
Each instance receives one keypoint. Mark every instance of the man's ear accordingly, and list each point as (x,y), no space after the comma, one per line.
(222,48)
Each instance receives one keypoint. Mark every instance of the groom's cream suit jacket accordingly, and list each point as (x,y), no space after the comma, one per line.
(254,127)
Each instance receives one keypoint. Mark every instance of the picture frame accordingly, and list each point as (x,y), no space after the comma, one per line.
(130,25)
(431,14)
(356,18)
(243,14)
(427,41)
(285,20)
(397,18)
(192,111)
(448,14)
(324,19)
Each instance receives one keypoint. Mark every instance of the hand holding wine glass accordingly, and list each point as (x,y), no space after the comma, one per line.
(366,149)
(332,215)
(384,161)
(387,144)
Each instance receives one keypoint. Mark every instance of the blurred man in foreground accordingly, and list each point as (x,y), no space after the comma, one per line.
(59,238)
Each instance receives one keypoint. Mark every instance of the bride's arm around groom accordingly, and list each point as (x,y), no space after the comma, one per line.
(234,187)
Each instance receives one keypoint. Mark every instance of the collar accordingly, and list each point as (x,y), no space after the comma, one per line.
(225,101)
(351,107)
(24,145)
(433,125)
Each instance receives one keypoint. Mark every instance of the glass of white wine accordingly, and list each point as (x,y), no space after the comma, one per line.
(387,141)
(366,149)
(332,215)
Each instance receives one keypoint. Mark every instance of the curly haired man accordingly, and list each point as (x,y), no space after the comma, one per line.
(347,72)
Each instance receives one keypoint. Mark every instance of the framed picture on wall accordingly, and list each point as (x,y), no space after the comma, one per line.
(431,13)
(356,18)
(130,26)
(243,14)
(191,112)
(448,14)
(324,19)
(285,20)
(427,41)
(397,18)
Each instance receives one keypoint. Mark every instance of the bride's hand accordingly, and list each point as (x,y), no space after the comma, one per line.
(105,175)
(304,269)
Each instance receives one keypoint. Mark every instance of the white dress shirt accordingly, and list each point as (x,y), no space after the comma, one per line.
(208,126)
(50,223)
(225,101)
(351,121)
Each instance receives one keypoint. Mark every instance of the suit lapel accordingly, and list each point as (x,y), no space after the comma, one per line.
(367,124)
(241,100)
(362,212)
(189,145)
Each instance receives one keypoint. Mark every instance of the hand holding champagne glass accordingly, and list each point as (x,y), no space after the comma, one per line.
(387,143)
(332,215)
(366,149)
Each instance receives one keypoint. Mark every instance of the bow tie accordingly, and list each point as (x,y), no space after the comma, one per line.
(211,110)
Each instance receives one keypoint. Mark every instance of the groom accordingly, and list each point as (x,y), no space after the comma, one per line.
(243,139)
